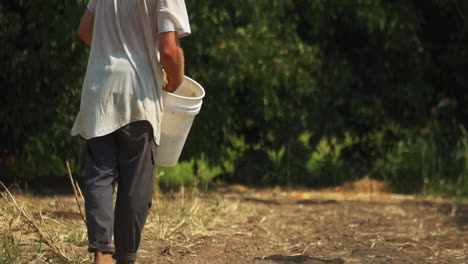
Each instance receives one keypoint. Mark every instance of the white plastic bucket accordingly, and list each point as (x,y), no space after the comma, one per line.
(189,94)
(180,109)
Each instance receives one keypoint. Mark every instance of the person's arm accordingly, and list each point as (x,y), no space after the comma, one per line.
(85,30)
(172,59)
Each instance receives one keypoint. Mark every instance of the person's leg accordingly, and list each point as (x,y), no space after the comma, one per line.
(135,188)
(101,169)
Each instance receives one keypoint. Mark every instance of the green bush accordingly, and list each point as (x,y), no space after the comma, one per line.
(187,173)
(363,76)
(433,163)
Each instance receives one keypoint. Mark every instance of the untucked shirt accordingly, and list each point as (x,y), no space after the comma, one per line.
(123,81)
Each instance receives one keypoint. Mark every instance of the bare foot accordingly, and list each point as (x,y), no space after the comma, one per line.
(103,258)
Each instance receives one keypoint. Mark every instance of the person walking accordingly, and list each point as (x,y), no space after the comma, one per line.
(120,114)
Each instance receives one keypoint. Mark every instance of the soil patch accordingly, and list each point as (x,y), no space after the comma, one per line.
(327,228)
(240,225)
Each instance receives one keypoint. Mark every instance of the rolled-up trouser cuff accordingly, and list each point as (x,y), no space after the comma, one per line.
(99,247)
(130,257)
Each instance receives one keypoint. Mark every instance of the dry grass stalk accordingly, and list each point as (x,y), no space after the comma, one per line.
(193,217)
(80,193)
(29,220)
(76,191)
(38,258)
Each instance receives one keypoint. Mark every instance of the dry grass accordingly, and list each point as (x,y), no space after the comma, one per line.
(177,218)
(51,230)
(42,236)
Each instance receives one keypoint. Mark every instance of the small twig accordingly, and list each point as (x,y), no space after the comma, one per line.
(44,217)
(264,229)
(76,191)
(79,192)
(38,258)
(305,249)
(174,229)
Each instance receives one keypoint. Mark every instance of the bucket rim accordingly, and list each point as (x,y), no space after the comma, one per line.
(191,112)
(178,106)
(185,97)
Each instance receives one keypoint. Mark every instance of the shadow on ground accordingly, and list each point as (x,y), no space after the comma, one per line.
(303,259)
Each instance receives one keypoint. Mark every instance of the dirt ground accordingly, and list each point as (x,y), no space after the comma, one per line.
(316,227)
(330,231)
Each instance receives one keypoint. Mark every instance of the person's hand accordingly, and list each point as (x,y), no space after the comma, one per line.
(168,86)
(171,59)
(171,87)
(165,81)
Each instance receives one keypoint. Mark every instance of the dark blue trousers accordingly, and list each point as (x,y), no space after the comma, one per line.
(126,157)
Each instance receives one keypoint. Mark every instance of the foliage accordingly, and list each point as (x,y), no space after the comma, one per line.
(298,92)
(430,162)
(356,74)
(187,173)
(42,66)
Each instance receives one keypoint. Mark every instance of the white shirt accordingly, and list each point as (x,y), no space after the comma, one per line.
(123,81)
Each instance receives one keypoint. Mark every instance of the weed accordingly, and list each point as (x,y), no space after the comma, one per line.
(434,164)
(77,237)
(188,173)
(10,251)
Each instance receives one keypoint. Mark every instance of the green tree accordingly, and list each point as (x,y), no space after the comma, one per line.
(298,92)
(42,65)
